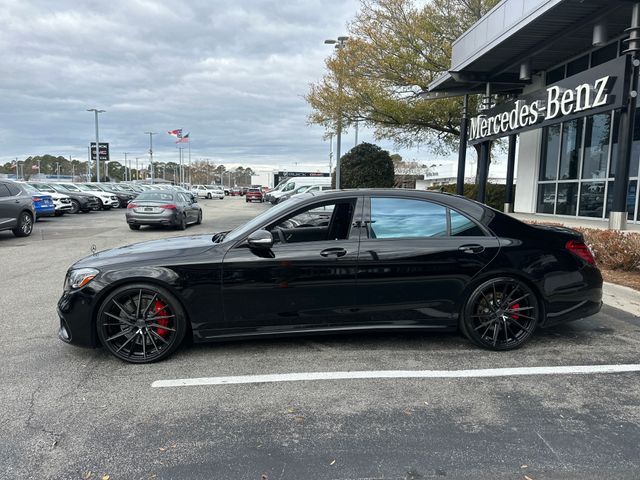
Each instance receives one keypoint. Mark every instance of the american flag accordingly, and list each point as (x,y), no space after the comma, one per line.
(176,133)
(184,139)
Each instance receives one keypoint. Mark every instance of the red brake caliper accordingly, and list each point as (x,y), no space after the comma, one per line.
(160,311)
(515,306)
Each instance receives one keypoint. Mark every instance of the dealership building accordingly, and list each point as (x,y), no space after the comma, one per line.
(557,78)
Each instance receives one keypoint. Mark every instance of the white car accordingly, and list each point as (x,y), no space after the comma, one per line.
(207,191)
(107,200)
(60,201)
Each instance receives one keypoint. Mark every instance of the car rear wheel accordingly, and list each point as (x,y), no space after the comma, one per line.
(209,196)
(141,323)
(75,206)
(500,314)
(199,220)
(182,223)
(25,225)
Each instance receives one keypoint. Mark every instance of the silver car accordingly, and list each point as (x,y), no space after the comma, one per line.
(165,208)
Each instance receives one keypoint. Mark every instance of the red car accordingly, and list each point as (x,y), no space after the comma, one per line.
(254,195)
(235,192)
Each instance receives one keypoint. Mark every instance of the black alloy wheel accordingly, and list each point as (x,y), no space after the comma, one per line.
(25,225)
(500,314)
(209,196)
(99,206)
(141,323)
(75,206)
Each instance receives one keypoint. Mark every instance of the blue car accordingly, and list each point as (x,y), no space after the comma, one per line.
(42,202)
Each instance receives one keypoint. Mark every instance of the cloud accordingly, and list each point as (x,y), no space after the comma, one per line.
(232,73)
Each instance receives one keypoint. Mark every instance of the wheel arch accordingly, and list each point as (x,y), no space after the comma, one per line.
(112,286)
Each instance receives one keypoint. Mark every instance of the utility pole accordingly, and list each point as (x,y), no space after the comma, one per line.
(151,134)
(137,171)
(126,178)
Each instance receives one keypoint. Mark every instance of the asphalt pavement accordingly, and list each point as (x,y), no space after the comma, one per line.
(72,413)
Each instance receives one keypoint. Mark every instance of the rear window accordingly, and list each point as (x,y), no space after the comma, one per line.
(155,196)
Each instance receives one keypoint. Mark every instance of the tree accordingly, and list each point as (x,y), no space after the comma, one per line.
(366,166)
(395,50)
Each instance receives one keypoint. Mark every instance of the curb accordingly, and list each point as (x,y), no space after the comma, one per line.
(623,298)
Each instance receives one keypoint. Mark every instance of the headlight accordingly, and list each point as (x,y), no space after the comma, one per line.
(80,277)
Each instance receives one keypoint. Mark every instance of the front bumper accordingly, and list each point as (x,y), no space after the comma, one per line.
(75,311)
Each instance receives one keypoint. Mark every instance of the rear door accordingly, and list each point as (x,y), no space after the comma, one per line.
(8,207)
(416,258)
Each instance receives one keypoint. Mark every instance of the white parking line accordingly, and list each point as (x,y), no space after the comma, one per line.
(314,376)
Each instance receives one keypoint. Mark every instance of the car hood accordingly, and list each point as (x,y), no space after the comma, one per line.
(167,250)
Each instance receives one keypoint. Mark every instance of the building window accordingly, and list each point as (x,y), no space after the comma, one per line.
(604,54)
(570,149)
(592,199)
(567,198)
(596,146)
(555,75)
(546,197)
(550,152)
(578,65)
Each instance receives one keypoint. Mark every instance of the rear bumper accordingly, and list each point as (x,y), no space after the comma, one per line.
(142,219)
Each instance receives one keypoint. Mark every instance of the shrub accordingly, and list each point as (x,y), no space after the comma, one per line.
(365,166)
(495,193)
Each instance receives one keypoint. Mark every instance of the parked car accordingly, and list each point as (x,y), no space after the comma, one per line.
(107,200)
(166,208)
(80,201)
(304,189)
(17,212)
(336,261)
(61,202)
(42,202)
(254,195)
(291,184)
(124,197)
(235,192)
(217,190)
(207,191)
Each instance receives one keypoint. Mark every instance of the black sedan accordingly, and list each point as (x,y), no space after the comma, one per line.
(335,262)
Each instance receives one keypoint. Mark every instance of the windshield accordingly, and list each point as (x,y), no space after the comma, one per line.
(68,186)
(264,217)
(30,188)
(43,187)
(91,187)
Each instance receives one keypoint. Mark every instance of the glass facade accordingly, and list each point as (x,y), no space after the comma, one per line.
(579,157)
(578,167)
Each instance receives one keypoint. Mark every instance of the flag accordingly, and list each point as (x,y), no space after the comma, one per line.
(184,139)
(14,164)
(34,167)
(176,133)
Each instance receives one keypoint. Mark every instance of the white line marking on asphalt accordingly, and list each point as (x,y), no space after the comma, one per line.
(371,374)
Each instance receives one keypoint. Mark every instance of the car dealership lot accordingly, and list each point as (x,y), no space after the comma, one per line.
(75,413)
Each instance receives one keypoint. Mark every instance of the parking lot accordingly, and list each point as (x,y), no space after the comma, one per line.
(76,413)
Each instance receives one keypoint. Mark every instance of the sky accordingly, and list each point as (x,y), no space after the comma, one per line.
(231,73)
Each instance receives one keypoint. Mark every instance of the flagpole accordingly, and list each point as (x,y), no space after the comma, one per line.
(189,143)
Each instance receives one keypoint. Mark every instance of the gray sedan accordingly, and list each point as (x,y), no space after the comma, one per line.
(165,208)
(17,212)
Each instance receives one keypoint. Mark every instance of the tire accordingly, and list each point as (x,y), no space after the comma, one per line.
(493,315)
(141,323)
(134,227)
(25,225)
(75,206)
(182,223)
(99,207)
(209,196)
(199,220)
(106,207)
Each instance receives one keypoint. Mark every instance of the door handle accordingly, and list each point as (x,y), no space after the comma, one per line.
(338,252)
(471,248)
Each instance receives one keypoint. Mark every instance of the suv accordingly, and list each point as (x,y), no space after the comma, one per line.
(206,191)
(254,195)
(17,212)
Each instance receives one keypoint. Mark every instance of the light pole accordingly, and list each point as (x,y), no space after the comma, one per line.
(137,171)
(330,152)
(339,45)
(96,111)
(58,169)
(151,134)
(126,177)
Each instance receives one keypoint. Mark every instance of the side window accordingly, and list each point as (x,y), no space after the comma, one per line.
(406,218)
(13,190)
(461,226)
(4,190)
(318,222)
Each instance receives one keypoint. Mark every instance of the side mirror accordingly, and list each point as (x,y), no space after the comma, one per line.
(260,240)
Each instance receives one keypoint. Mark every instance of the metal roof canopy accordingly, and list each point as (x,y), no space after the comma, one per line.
(545,32)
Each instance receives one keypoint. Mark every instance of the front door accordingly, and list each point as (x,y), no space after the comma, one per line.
(306,280)
(416,258)
(8,207)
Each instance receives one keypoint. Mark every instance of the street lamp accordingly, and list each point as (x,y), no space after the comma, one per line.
(339,45)
(96,111)
(151,134)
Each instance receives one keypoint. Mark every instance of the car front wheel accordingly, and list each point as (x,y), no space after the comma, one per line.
(141,323)
(75,206)
(500,314)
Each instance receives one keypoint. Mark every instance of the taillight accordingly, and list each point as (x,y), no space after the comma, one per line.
(580,249)
(168,206)
(37,199)
(132,205)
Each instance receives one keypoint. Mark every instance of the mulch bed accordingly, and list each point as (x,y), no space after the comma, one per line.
(628,279)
